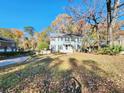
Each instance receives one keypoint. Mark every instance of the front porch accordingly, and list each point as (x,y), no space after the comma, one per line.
(68,48)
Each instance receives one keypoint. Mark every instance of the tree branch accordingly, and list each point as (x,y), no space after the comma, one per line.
(120,5)
(120,15)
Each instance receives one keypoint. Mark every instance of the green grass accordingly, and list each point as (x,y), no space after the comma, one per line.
(105,72)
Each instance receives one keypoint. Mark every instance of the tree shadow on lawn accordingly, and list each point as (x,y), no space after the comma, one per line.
(91,79)
(39,73)
(40,77)
(12,79)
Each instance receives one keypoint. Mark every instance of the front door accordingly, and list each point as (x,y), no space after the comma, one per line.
(68,48)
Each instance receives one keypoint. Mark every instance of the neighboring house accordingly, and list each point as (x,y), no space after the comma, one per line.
(119,38)
(65,43)
(7,44)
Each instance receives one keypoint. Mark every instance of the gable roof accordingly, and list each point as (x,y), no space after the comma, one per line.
(6,40)
(64,35)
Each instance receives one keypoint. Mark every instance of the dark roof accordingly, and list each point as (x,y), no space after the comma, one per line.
(6,40)
(63,35)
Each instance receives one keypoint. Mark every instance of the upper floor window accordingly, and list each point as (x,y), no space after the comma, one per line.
(72,39)
(78,39)
(53,39)
(67,39)
(61,39)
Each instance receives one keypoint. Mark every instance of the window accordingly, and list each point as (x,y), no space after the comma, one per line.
(61,39)
(72,39)
(66,47)
(66,39)
(78,39)
(60,47)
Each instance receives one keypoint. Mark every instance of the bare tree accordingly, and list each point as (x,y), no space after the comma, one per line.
(113,9)
(93,14)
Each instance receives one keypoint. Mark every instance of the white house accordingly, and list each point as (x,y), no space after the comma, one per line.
(65,43)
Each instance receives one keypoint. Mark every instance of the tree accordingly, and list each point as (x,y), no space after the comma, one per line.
(33,43)
(113,9)
(7,33)
(89,15)
(26,43)
(17,35)
(43,45)
(43,37)
(62,23)
(30,30)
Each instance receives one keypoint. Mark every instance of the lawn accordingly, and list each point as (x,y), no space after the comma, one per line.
(65,73)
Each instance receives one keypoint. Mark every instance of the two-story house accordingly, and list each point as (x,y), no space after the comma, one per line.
(65,43)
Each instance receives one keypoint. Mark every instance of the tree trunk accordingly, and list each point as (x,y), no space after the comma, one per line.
(111,18)
(98,37)
(111,36)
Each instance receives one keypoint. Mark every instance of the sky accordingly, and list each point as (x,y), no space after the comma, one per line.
(36,13)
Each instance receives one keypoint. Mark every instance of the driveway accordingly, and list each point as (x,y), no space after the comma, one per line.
(13,61)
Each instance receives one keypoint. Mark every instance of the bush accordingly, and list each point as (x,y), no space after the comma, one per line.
(111,50)
(43,45)
(5,55)
(122,48)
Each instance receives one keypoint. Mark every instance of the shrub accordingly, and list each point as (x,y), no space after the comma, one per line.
(116,49)
(110,50)
(43,45)
(4,55)
(122,48)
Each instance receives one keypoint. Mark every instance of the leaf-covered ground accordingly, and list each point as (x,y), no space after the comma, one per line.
(65,73)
